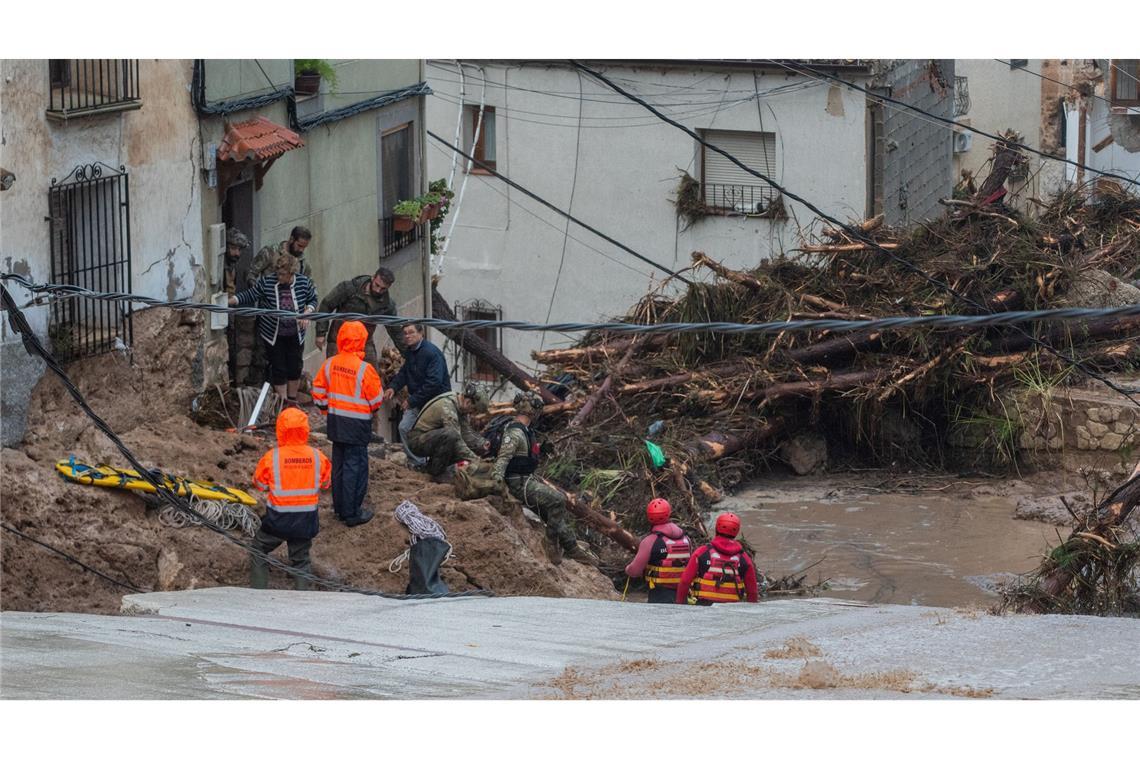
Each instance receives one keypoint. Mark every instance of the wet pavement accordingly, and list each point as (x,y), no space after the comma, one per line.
(229,643)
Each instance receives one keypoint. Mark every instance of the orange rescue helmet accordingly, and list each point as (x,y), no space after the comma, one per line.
(728,525)
(658,511)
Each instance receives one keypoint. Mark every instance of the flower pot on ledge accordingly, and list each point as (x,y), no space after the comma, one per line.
(307,84)
(403,223)
(431,211)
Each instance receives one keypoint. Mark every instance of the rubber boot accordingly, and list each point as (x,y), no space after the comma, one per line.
(302,583)
(258,574)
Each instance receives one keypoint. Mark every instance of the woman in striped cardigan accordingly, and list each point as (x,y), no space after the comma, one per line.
(283,289)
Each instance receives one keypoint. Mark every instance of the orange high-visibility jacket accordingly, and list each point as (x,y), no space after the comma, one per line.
(292,474)
(347,389)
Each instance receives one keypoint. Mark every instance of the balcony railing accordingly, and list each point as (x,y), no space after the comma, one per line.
(742,199)
(81,86)
(392,241)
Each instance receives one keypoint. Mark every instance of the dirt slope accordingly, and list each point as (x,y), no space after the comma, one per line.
(117,533)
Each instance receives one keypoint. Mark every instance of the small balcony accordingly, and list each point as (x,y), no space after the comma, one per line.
(740,199)
(391,240)
(88,86)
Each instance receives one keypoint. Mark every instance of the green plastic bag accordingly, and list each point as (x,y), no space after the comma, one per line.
(656,455)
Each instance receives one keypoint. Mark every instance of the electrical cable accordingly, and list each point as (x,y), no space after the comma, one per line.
(523,208)
(1054,81)
(557,210)
(930,321)
(33,346)
(74,560)
(801,67)
(570,207)
(859,234)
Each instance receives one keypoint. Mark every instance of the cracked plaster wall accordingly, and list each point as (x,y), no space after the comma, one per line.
(157,145)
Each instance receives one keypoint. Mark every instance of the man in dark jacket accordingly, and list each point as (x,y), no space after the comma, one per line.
(360,295)
(425,376)
(241,333)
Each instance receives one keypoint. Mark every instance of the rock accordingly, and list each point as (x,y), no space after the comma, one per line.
(1049,509)
(1097,429)
(1097,289)
(1111,442)
(168,569)
(805,453)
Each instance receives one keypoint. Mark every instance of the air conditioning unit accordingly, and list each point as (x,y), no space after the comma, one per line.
(963,141)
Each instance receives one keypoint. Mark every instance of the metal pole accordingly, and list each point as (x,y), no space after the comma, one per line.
(425,229)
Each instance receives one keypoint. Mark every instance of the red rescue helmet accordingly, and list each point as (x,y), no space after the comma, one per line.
(658,511)
(728,525)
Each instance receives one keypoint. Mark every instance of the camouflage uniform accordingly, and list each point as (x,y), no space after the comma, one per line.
(536,493)
(352,296)
(444,435)
(241,334)
(266,258)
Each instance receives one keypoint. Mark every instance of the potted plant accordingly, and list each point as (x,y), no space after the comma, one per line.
(407,215)
(431,202)
(308,73)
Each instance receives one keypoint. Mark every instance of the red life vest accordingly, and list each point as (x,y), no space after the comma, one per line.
(667,560)
(720,577)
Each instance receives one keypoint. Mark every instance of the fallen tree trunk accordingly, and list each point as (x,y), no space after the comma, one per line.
(780,391)
(836,350)
(1081,332)
(716,444)
(740,278)
(1109,515)
(603,350)
(597,520)
(485,351)
(846,247)
(869,225)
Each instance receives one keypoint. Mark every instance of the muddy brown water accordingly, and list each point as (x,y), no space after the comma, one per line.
(924,549)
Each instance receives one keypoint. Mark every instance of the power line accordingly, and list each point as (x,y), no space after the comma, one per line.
(557,210)
(800,68)
(930,321)
(34,347)
(72,559)
(1054,81)
(855,233)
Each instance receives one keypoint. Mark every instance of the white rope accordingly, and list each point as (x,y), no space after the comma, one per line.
(420,526)
(458,125)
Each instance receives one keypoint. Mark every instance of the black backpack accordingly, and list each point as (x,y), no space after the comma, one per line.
(494,432)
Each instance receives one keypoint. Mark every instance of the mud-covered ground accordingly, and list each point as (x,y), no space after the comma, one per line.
(147,403)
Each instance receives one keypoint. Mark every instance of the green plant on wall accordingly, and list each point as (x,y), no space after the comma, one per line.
(316,66)
(411,208)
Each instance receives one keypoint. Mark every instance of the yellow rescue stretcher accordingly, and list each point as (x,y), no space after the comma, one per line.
(115,477)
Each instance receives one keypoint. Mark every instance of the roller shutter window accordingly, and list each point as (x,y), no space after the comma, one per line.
(726,186)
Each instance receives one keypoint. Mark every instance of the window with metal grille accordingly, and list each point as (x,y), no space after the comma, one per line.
(1125,82)
(90,229)
(83,86)
(482,149)
(727,187)
(397,182)
(476,367)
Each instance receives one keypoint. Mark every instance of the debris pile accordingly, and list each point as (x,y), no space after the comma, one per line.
(720,405)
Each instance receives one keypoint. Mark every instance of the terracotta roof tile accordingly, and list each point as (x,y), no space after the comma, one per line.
(257,140)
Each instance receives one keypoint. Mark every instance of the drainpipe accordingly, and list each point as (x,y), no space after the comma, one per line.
(425,236)
(1082,130)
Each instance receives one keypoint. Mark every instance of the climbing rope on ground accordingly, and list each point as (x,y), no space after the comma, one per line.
(420,526)
(226,514)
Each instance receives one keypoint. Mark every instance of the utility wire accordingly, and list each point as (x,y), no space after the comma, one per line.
(557,210)
(801,68)
(72,559)
(931,321)
(857,234)
(1054,81)
(33,346)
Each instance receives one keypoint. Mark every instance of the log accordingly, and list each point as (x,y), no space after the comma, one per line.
(740,278)
(716,444)
(1008,156)
(470,341)
(836,350)
(869,225)
(588,407)
(600,522)
(603,350)
(682,378)
(846,247)
(1080,332)
(1110,515)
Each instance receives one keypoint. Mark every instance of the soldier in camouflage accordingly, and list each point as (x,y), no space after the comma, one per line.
(241,334)
(514,473)
(266,259)
(360,295)
(443,432)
